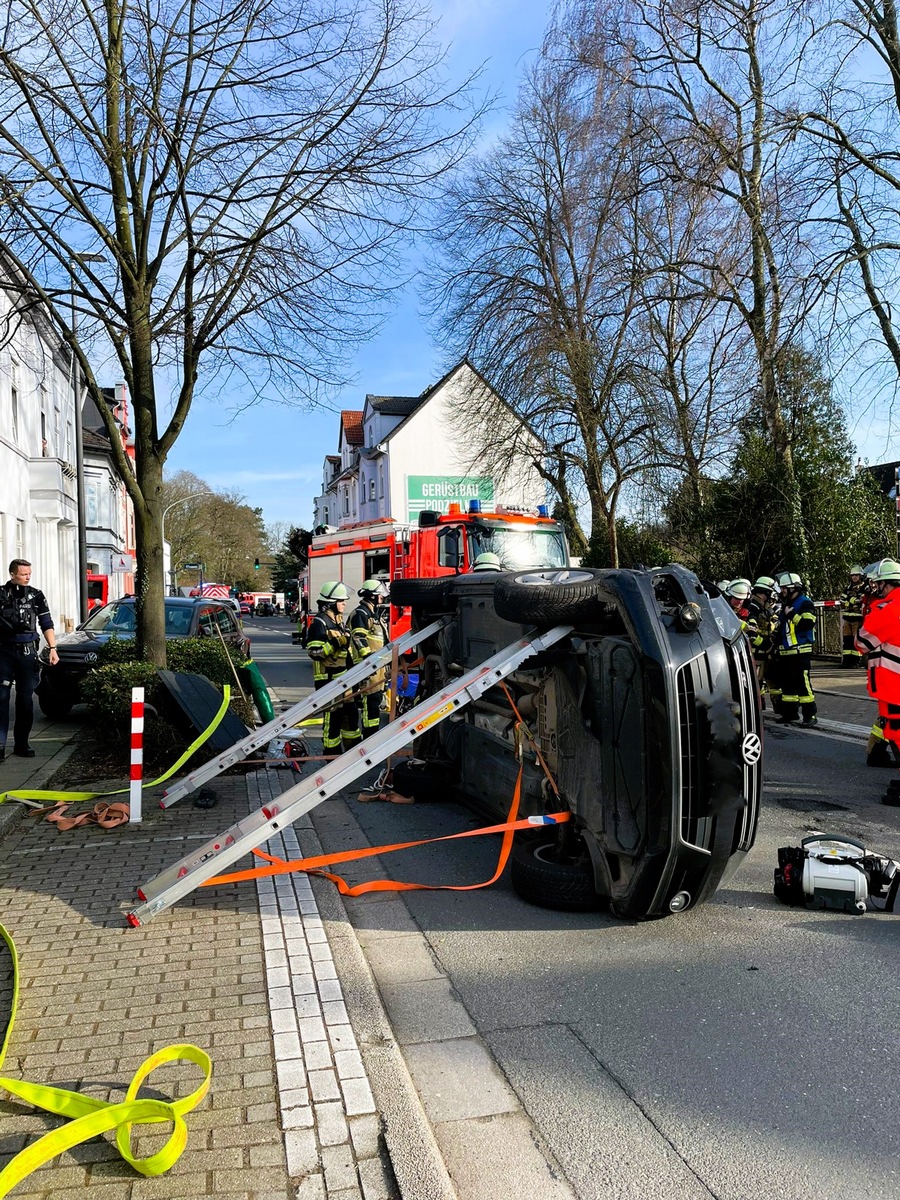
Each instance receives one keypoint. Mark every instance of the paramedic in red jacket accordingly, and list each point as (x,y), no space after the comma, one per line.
(879,640)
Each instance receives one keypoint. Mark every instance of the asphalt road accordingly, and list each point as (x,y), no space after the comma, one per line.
(743,1050)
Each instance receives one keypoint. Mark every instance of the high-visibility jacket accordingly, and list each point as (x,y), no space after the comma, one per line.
(852,601)
(327,644)
(367,634)
(879,639)
(761,622)
(797,627)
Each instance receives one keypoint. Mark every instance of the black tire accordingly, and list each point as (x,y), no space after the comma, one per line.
(546,598)
(541,880)
(431,594)
(55,705)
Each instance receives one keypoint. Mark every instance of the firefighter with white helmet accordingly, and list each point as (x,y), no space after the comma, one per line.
(487,562)
(368,633)
(853,600)
(761,622)
(879,640)
(328,645)
(795,638)
(737,593)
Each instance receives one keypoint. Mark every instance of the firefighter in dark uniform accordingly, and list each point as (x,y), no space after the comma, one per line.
(368,634)
(852,601)
(795,638)
(328,645)
(761,621)
(22,610)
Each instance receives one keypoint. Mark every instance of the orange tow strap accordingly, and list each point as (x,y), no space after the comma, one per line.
(280,866)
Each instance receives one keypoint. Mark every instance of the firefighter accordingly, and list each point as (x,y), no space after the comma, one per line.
(368,633)
(328,645)
(852,600)
(794,639)
(486,562)
(737,593)
(879,640)
(762,621)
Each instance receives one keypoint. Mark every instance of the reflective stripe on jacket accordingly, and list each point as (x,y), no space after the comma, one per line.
(879,639)
(797,627)
(327,645)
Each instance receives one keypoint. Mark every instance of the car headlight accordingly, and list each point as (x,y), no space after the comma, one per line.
(689,617)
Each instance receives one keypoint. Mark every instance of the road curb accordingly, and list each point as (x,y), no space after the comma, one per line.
(10,812)
(416,1159)
(858,732)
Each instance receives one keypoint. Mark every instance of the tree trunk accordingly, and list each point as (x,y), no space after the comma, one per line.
(612,534)
(151,590)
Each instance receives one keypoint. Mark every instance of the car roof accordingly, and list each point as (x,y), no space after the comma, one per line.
(180,601)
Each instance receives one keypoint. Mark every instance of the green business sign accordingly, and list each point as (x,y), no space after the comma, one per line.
(438,492)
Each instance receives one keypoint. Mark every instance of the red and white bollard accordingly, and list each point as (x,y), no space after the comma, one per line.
(137,753)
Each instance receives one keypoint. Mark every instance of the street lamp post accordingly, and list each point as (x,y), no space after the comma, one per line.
(79,450)
(174,504)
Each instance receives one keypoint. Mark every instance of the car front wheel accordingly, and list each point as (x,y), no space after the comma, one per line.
(544,878)
(561,596)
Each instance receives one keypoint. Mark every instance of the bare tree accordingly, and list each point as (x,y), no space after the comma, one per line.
(853,123)
(541,281)
(721,73)
(242,170)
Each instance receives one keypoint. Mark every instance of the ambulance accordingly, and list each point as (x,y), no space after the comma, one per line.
(440,544)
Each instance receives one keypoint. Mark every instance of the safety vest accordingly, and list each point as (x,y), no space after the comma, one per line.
(797,627)
(879,639)
(327,645)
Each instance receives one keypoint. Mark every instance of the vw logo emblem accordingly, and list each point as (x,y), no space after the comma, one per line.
(751,749)
(91,658)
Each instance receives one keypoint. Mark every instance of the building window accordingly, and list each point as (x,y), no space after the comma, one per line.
(371,489)
(20,539)
(45,450)
(381,483)
(345,496)
(362,489)
(14,395)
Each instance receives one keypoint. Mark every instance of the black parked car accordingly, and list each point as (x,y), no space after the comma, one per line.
(60,686)
(647,716)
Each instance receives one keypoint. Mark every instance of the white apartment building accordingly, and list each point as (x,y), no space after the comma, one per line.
(401,454)
(38,500)
(109,513)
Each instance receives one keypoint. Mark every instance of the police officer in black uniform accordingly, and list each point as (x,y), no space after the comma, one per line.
(22,610)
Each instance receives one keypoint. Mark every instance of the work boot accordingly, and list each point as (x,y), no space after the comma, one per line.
(810,722)
(24,752)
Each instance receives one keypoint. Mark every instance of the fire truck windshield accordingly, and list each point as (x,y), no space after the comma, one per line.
(519,549)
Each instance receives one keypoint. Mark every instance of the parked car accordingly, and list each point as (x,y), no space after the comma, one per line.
(246,609)
(60,686)
(647,716)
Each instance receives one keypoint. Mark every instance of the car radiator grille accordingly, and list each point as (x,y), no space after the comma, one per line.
(743,683)
(695,830)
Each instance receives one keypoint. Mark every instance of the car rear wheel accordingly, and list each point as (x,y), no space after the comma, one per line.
(550,597)
(542,878)
(431,594)
(54,704)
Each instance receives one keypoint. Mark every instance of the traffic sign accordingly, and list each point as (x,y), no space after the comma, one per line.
(122,562)
(192,566)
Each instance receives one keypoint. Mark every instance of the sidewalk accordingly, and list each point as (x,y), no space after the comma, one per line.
(246,972)
(53,743)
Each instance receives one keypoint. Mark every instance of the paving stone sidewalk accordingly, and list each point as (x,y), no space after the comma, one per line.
(244,971)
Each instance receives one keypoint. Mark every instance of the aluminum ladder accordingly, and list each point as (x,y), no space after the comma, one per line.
(312,704)
(252,831)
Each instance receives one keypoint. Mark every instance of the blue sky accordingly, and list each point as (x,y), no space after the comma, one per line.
(273,454)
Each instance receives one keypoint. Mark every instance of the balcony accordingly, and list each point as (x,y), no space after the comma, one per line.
(51,483)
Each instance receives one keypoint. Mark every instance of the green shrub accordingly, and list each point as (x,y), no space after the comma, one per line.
(107,689)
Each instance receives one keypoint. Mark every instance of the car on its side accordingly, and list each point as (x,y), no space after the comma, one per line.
(644,723)
(60,686)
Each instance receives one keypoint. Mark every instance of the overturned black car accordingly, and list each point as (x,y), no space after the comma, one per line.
(647,716)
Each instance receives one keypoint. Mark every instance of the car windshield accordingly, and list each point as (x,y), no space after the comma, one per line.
(119,620)
(519,549)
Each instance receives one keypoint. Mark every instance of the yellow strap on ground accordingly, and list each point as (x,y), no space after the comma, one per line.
(89,1117)
(74,797)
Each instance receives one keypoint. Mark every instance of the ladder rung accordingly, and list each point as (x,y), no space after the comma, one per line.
(252,831)
(307,707)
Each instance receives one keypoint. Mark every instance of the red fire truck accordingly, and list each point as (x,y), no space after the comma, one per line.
(441,544)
